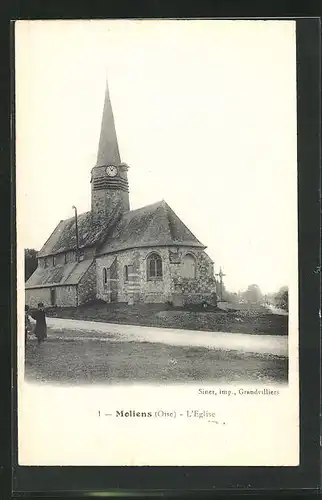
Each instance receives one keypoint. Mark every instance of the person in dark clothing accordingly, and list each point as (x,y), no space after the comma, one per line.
(41,326)
(27,323)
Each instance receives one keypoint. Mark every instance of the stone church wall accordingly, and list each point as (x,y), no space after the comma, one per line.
(65,257)
(103,290)
(65,296)
(35,295)
(87,286)
(194,290)
(150,290)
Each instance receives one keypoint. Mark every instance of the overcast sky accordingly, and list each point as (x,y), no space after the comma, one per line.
(205,113)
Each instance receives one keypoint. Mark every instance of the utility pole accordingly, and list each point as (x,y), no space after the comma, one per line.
(76,229)
(221,275)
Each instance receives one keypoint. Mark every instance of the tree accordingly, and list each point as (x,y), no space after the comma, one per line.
(231,297)
(281,298)
(253,294)
(30,262)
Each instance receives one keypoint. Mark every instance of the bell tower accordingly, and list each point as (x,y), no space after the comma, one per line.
(109,183)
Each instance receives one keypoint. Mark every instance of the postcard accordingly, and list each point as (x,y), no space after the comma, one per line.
(157,257)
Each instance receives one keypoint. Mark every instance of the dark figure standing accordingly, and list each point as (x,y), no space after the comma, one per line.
(27,323)
(41,326)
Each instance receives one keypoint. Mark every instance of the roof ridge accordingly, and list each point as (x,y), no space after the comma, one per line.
(51,234)
(78,216)
(185,226)
(144,207)
(166,209)
(150,226)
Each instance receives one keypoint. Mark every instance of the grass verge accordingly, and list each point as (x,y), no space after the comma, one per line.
(95,361)
(248,321)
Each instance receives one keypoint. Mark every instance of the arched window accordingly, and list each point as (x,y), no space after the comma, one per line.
(189,266)
(104,276)
(154,266)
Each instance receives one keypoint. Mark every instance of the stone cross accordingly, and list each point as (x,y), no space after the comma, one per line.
(221,275)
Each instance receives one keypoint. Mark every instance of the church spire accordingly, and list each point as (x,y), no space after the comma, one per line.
(108,150)
(109,182)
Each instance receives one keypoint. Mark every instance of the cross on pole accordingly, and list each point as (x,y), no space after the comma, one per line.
(221,275)
(76,231)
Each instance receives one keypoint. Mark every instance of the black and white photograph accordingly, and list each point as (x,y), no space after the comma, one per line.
(157,250)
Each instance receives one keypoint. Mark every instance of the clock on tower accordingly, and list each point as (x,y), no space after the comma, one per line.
(111,170)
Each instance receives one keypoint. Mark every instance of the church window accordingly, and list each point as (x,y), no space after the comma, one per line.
(126,273)
(54,260)
(105,276)
(154,266)
(53,296)
(189,266)
(65,258)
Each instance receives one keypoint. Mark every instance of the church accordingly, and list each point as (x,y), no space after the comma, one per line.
(116,254)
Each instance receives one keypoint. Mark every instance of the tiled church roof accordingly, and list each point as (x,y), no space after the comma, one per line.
(91,231)
(152,225)
(69,274)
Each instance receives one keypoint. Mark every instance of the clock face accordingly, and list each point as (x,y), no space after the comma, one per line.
(111,171)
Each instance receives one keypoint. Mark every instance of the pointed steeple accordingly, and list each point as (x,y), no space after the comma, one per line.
(109,182)
(108,150)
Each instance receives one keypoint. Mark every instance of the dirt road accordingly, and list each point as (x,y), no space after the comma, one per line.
(92,330)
